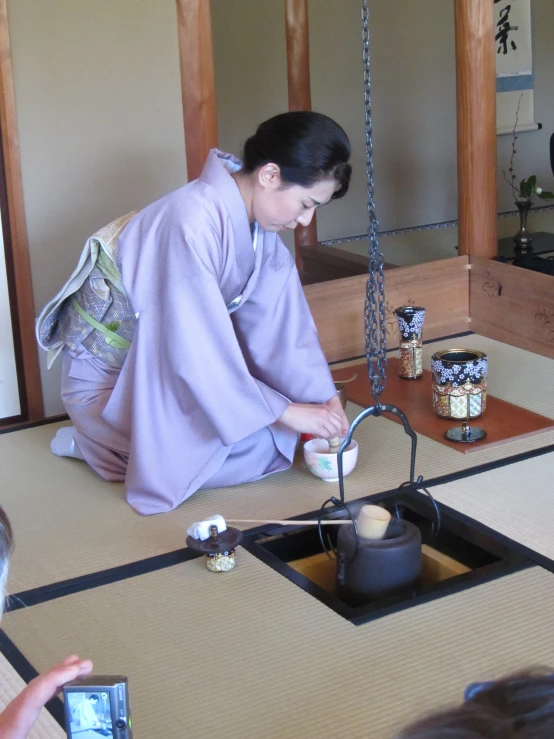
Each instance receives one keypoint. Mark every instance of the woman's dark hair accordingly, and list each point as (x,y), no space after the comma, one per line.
(307,147)
(519,706)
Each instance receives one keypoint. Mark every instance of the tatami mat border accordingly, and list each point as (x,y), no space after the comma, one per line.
(278,676)
(382,612)
(33,424)
(495,464)
(27,672)
(134,565)
(35,596)
(536,557)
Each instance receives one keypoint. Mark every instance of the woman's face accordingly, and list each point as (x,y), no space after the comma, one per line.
(280,208)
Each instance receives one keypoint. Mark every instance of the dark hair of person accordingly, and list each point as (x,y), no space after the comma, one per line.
(519,706)
(93,697)
(307,147)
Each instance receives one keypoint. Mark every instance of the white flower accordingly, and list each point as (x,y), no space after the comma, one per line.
(538,190)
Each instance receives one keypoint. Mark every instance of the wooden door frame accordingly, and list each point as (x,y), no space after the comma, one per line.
(16,243)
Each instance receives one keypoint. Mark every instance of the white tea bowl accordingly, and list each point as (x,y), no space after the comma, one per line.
(324,464)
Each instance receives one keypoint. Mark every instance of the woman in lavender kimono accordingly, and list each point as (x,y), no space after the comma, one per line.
(221,369)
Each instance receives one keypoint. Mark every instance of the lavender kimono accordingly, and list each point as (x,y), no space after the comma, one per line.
(224,340)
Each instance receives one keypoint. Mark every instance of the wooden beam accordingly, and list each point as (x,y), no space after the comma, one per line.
(300,98)
(197,82)
(29,377)
(337,307)
(476,127)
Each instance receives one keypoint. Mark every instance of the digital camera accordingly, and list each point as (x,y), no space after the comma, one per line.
(97,705)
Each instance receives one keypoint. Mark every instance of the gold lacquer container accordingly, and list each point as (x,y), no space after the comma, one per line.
(410,327)
(459,383)
(221,562)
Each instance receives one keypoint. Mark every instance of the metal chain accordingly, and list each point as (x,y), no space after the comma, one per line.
(374,310)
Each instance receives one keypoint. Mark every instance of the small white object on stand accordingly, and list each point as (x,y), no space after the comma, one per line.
(201,529)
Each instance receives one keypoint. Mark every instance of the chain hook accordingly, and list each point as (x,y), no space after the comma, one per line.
(374,309)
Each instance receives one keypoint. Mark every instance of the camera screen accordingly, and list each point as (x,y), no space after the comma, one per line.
(90,714)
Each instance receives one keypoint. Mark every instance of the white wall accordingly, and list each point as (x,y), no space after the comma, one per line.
(414,107)
(100,121)
(413,86)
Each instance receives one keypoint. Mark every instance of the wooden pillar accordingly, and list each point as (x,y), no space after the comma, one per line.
(476,123)
(197,82)
(298,76)
(17,252)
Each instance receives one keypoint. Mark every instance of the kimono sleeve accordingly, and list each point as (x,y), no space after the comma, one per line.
(278,336)
(186,363)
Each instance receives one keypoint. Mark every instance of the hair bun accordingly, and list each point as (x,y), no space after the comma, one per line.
(307,147)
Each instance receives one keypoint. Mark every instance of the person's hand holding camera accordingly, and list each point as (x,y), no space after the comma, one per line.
(20,715)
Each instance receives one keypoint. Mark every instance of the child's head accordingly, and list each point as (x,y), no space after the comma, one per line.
(519,706)
(6,544)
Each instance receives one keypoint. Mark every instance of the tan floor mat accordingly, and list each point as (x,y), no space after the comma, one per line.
(517,501)
(68,522)
(10,685)
(248,654)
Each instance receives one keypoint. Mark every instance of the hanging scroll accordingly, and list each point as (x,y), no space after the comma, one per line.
(514,66)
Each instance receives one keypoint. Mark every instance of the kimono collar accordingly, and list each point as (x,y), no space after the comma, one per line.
(217,174)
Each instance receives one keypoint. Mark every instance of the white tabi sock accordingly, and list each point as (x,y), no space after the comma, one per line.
(63,444)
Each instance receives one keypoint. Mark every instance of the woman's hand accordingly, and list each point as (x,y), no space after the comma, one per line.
(336,406)
(17,720)
(324,420)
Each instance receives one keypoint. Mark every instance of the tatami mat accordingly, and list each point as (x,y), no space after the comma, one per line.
(10,685)
(68,522)
(517,501)
(248,654)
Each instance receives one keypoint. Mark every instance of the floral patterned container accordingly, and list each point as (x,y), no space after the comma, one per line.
(323,463)
(410,326)
(459,383)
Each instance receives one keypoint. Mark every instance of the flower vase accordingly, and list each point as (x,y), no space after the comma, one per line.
(410,326)
(523,238)
(459,383)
